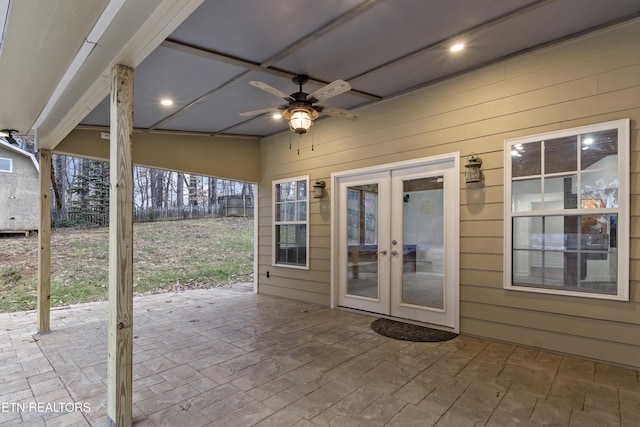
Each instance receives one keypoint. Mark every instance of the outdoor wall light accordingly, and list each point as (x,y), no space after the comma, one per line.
(472,172)
(318,189)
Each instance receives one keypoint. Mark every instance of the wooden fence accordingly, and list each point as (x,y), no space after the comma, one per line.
(228,206)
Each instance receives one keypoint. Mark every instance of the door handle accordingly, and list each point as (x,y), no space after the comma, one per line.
(382,252)
(394,253)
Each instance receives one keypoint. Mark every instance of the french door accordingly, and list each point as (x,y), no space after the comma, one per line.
(397,240)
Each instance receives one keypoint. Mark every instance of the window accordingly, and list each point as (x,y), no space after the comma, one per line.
(6,165)
(567,212)
(290,225)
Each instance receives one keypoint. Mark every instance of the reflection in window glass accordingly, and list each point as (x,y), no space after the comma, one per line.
(291,245)
(526,195)
(526,159)
(555,232)
(565,192)
(568,253)
(290,222)
(560,192)
(560,155)
(362,240)
(362,214)
(527,232)
(599,150)
(600,189)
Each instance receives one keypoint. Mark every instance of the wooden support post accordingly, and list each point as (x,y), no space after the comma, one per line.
(120,341)
(44,244)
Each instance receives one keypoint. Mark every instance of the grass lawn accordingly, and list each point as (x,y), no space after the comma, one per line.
(168,256)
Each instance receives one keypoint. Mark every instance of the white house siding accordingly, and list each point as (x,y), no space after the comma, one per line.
(592,79)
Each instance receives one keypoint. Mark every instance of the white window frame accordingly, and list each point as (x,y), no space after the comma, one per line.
(622,210)
(10,170)
(274,260)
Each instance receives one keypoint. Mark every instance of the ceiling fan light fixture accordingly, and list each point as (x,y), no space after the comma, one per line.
(457,47)
(300,119)
(300,111)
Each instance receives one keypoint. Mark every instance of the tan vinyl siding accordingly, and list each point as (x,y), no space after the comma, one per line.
(592,79)
(217,156)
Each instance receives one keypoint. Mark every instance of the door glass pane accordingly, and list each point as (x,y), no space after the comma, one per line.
(423,242)
(362,240)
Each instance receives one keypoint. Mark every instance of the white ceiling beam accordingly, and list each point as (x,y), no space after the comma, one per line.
(5,6)
(134,32)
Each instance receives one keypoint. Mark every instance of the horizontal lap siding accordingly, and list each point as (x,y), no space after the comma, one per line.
(589,80)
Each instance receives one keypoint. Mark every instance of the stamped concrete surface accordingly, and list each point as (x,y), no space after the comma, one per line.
(227,357)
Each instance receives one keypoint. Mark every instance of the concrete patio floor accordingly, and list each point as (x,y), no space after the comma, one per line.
(224,357)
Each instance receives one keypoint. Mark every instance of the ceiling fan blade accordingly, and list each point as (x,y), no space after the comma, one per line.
(272,90)
(337,112)
(332,89)
(261,111)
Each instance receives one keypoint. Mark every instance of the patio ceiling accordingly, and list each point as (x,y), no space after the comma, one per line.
(202,54)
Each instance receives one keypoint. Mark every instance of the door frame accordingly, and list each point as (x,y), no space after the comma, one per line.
(383,301)
(433,162)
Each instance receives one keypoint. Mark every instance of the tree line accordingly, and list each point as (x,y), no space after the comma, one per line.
(82,185)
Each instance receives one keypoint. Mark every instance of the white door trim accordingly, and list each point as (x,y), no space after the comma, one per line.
(431,162)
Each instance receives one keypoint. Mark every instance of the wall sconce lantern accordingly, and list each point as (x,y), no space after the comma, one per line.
(472,172)
(318,189)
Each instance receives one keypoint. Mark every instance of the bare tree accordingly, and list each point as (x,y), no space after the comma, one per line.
(54,186)
(142,185)
(213,192)
(180,190)
(157,187)
(193,190)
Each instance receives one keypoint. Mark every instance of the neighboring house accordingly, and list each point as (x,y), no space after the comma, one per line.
(19,185)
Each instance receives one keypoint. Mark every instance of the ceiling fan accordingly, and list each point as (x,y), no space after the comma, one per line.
(300,110)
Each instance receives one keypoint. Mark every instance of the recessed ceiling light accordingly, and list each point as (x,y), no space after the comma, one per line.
(277,116)
(457,47)
(588,141)
(166,102)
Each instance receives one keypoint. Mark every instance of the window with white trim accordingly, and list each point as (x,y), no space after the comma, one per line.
(6,165)
(290,224)
(567,212)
